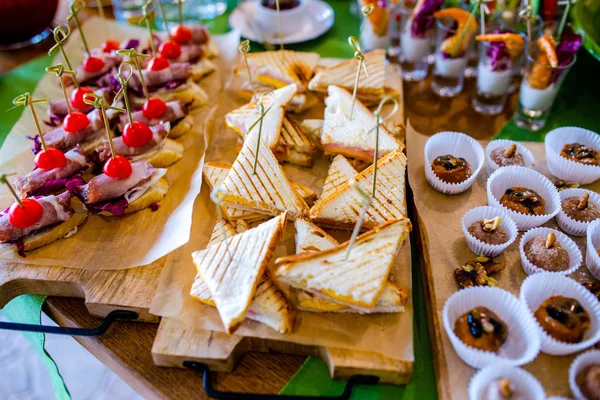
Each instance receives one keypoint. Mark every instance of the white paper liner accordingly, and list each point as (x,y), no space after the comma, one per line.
(537,288)
(566,242)
(459,145)
(526,385)
(592,259)
(568,224)
(492,166)
(564,168)
(523,342)
(486,212)
(582,361)
(512,176)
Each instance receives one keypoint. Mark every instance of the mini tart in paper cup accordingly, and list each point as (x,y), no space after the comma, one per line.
(476,245)
(568,224)
(523,341)
(526,386)
(566,169)
(537,288)
(513,176)
(566,242)
(458,145)
(491,165)
(592,259)
(583,360)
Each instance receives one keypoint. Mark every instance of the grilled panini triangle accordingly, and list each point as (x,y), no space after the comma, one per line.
(344,73)
(355,281)
(282,67)
(340,171)
(310,238)
(233,268)
(241,119)
(340,210)
(268,191)
(354,137)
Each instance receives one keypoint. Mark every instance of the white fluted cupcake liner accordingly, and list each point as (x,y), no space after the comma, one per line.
(486,212)
(568,224)
(592,259)
(526,385)
(537,288)
(566,242)
(456,144)
(583,360)
(523,342)
(507,177)
(564,168)
(492,166)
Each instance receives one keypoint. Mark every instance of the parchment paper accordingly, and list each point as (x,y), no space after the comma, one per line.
(440,215)
(387,334)
(139,238)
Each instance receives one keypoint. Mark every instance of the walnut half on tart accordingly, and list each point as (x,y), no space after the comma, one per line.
(580,153)
(489,231)
(482,329)
(523,200)
(451,169)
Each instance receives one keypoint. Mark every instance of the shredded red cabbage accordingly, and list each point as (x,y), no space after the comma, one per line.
(154,207)
(37,145)
(131,44)
(565,51)
(423,20)
(500,59)
(54,121)
(114,206)
(52,186)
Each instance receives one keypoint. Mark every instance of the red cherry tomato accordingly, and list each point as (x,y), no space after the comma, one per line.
(170,50)
(118,167)
(26,216)
(153,108)
(50,158)
(181,34)
(158,63)
(75,122)
(110,45)
(92,64)
(137,134)
(77,97)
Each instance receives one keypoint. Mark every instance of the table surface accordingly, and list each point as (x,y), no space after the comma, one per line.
(126,348)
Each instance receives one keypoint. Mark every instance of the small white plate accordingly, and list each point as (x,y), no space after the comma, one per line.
(318,19)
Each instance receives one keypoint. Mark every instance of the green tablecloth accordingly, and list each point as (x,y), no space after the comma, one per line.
(577,102)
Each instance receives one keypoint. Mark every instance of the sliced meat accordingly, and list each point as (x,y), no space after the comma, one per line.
(159,133)
(62,140)
(111,60)
(55,209)
(59,107)
(175,111)
(191,53)
(200,34)
(155,79)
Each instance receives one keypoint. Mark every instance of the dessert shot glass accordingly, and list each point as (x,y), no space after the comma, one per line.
(448,72)
(494,76)
(415,46)
(539,87)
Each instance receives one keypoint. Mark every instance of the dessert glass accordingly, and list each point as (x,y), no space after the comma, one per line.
(415,48)
(539,88)
(494,76)
(448,72)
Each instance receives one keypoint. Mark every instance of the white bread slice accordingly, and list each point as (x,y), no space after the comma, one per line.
(268,191)
(358,280)
(241,119)
(340,171)
(221,231)
(310,238)
(282,67)
(344,74)
(241,226)
(354,137)
(341,208)
(300,102)
(294,146)
(232,269)
(313,129)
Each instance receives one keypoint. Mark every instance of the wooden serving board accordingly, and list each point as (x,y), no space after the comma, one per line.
(103,291)
(443,248)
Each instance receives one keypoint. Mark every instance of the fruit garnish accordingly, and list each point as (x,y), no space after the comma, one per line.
(117,167)
(158,63)
(76,122)
(77,97)
(136,134)
(110,45)
(50,158)
(153,108)
(26,214)
(181,34)
(170,50)
(92,64)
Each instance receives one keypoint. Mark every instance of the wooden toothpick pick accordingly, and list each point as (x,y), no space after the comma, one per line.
(59,70)
(378,122)
(26,100)
(259,121)
(361,64)
(366,202)
(75,7)
(98,102)
(61,33)
(134,57)
(244,48)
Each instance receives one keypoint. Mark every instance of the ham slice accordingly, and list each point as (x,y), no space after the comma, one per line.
(63,140)
(31,183)
(55,209)
(175,72)
(59,107)
(103,188)
(159,133)
(111,60)
(175,111)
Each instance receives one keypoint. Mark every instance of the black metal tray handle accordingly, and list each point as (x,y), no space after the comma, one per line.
(59,330)
(210,391)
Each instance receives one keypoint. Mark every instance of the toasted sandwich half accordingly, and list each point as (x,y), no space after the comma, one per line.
(221,231)
(233,268)
(282,67)
(340,209)
(357,280)
(268,191)
(310,238)
(354,138)
(340,171)
(344,73)
(293,146)
(299,103)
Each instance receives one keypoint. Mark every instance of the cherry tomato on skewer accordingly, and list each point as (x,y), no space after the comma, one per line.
(75,122)
(136,134)
(77,97)
(50,158)
(92,64)
(26,216)
(110,45)
(170,50)
(154,108)
(117,167)
(181,34)
(158,63)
